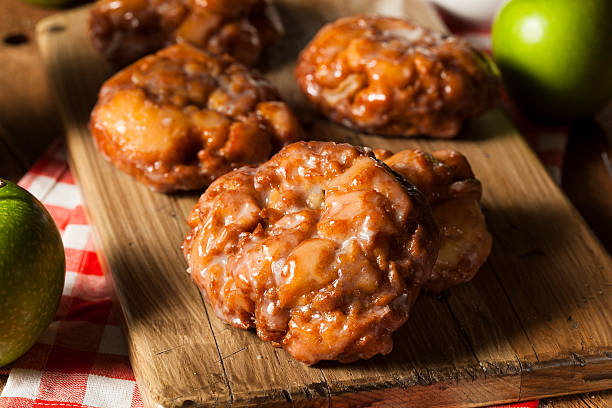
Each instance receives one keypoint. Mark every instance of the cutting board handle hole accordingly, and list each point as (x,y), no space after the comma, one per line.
(56,28)
(15,39)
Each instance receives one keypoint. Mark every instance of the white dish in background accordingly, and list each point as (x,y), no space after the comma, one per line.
(475,13)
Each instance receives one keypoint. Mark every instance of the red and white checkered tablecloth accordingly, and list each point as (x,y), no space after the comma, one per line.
(81,359)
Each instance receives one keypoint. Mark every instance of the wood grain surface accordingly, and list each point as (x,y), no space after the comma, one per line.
(28,119)
(535,322)
(589,400)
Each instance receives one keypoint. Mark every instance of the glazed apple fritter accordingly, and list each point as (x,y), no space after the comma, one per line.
(387,76)
(179,119)
(323,249)
(447,181)
(125,30)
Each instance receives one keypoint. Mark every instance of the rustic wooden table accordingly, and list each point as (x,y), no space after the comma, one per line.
(29,123)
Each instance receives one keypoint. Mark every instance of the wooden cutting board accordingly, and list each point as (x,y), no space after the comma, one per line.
(535,322)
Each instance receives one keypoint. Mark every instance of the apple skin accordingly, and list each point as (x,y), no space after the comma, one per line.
(32,270)
(556,56)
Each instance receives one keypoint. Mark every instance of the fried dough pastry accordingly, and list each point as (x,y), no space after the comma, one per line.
(323,249)
(179,119)
(448,183)
(125,30)
(385,75)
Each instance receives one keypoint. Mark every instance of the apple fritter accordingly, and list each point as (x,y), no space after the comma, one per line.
(385,75)
(447,181)
(178,119)
(125,30)
(323,249)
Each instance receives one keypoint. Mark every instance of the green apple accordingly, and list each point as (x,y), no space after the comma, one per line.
(32,269)
(556,55)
